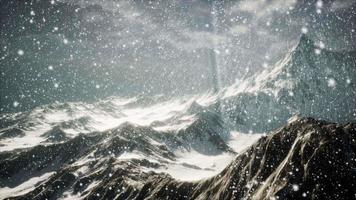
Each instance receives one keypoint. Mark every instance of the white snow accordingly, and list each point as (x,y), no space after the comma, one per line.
(131,155)
(240,141)
(104,115)
(317,51)
(331,82)
(208,165)
(15,104)
(319,4)
(31,138)
(304,30)
(301,83)
(20,52)
(24,187)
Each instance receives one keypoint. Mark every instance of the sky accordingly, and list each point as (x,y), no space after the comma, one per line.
(66,50)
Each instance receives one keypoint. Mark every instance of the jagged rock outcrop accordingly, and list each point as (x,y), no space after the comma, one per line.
(70,164)
(306,159)
(117,149)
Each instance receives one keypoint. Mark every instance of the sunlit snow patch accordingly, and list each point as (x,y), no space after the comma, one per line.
(24,187)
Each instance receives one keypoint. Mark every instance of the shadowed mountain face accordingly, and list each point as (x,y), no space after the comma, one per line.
(117,99)
(74,163)
(309,81)
(305,159)
(140,149)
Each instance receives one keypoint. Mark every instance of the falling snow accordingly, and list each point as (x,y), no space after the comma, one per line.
(103,99)
(15,104)
(331,82)
(317,51)
(304,30)
(20,52)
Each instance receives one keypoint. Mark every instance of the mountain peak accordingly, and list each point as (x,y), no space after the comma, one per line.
(305,43)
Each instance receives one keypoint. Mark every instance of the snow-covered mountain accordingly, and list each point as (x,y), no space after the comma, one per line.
(158,148)
(182,138)
(186,118)
(310,81)
(305,159)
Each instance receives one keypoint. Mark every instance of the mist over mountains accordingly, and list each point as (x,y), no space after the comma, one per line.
(89,50)
(309,81)
(177,99)
(158,148)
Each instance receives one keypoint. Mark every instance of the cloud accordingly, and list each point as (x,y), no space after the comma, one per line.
(261,8)
(239,29)
(342,4)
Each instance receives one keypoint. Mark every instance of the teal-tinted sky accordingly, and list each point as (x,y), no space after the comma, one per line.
(60,50)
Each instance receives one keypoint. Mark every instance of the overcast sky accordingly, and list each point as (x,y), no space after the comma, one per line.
(82,50)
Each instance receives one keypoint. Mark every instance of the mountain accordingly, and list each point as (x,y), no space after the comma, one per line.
(306,158)
(309,81)
(162,148)
(185,120)
(181,137)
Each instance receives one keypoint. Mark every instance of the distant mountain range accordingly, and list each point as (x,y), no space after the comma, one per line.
(147,148)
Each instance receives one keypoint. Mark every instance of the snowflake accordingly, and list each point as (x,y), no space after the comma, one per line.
(20,52)
(295,187)
(331,82)
(317,51)
(321,45)
(304,30)
(15,104)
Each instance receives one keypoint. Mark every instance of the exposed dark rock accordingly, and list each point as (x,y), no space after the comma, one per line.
(11,132)
(306,159)
(56,134)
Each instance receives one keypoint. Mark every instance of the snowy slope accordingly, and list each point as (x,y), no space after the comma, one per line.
(27,129)
(180,138)
(305,159)
(78,150)
(171,136)
(310,81)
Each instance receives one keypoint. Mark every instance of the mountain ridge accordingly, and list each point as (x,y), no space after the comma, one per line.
(305,82)
(306,158)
